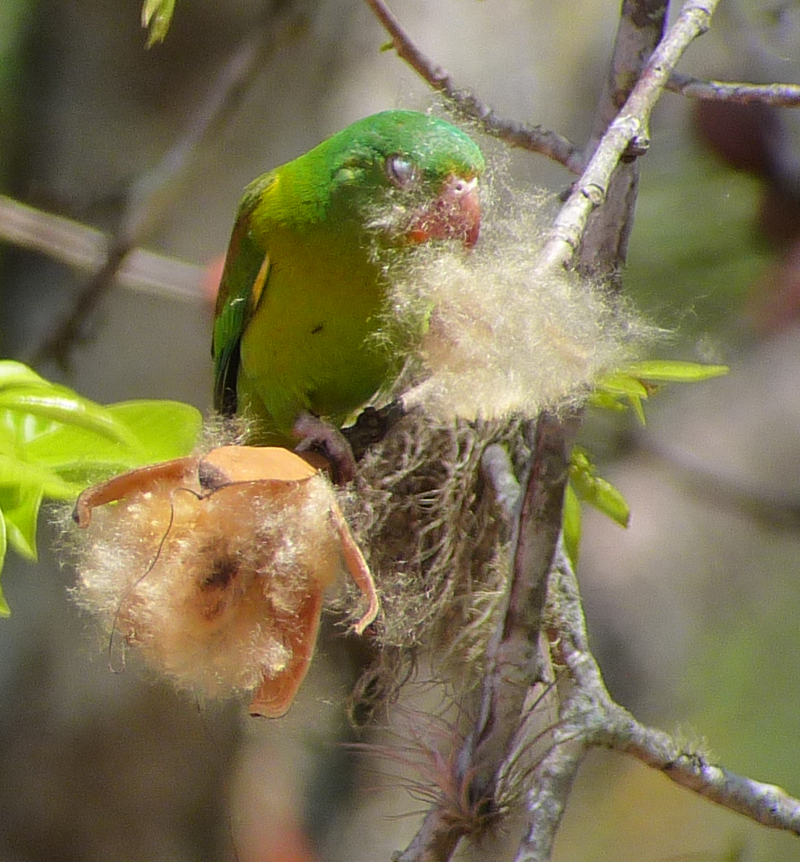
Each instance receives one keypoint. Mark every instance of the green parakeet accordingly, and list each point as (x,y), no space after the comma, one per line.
(304,286)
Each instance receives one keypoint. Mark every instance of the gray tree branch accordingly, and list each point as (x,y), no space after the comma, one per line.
(590,717)
(777,95)
(85,248)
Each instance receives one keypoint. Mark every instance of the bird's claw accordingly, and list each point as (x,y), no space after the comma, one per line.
(317,435)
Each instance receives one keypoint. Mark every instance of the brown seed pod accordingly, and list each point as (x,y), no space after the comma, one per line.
(216,568)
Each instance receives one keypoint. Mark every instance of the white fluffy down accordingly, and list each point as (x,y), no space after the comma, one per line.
(207,589)
(501,340)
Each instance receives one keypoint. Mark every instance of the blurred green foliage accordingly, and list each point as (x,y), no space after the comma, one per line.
(156,17)
(695,250)
(15,19)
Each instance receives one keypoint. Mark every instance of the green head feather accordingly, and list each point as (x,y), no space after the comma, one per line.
(349,169)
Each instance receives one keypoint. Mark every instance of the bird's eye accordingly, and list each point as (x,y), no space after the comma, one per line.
(401,171)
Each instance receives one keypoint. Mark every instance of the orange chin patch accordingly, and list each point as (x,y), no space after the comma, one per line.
(455,214)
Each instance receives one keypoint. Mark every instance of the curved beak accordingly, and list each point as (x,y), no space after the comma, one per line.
(454,214)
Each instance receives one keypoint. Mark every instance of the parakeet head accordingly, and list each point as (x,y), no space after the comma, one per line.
(403,174)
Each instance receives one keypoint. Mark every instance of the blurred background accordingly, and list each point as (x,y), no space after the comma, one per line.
(693,611)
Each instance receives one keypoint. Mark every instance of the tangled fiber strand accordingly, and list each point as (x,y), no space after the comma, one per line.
(436,542)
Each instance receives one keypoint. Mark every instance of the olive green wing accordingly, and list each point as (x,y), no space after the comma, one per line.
(244,279)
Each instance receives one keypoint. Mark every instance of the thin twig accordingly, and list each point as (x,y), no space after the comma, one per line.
(593,714)
(604,245)
(514,656)
(151,195)
(535,138)
(777,95)
(85,248)
(498,470)
(628,132)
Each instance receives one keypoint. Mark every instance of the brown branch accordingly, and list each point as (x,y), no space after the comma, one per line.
(604,246)
(536,139)
(777,95)
(514,657)
(640,29)
(151,195)
(628,133)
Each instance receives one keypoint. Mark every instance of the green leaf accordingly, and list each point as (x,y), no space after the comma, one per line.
(638,409)
(16,374)
(596,491)
(21,512)
(156,16)
(636,382)
(571,524)
(675,371)
(9,432)
(18,428)
(5,610)
(53,443)
(624,384)
(62,405)
(23,476)
(162,430)
(610,502)
(606,401)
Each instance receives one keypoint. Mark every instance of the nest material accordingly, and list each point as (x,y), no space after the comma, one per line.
(220,590)
(436,541)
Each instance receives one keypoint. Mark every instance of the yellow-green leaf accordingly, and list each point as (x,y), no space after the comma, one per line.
(21,512)
(596,491)
(63,405)
(610,502)
(606,401)
(638,409)
(53,443)
(16,374)
(623,383)
(571,524)
(156,18)
(24,475)
(162,429)
(675,371)
(5,610)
